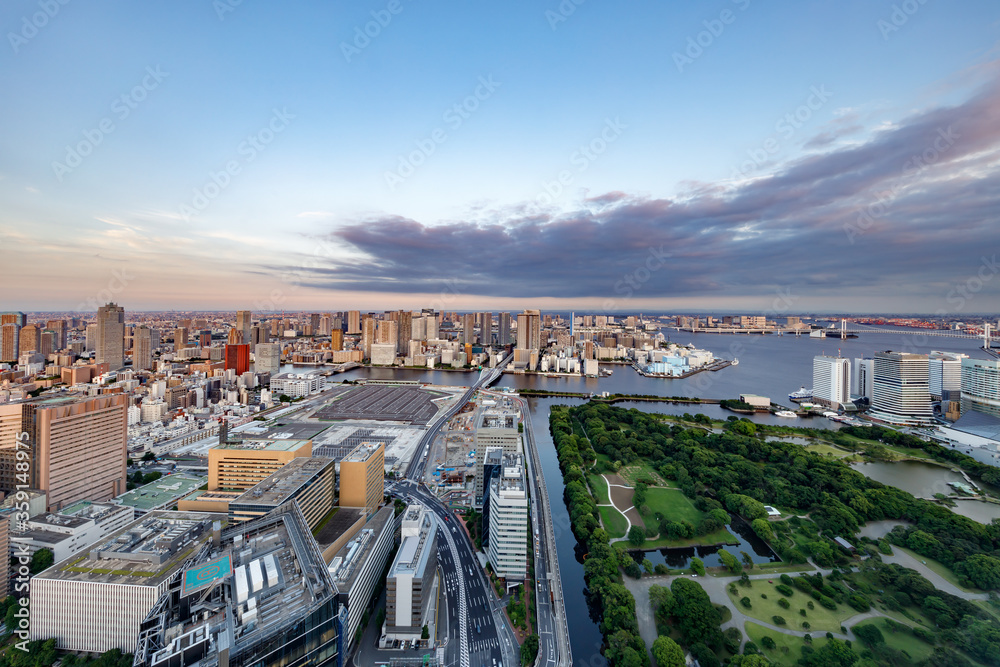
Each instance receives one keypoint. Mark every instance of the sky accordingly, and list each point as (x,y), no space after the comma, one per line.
(733,154)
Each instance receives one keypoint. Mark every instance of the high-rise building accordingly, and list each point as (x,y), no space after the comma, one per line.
(981,386)
(110,344)
(408,586)
(900,389)
(336,339)
(244,320)
(205,339)
(353,322)
(405,332)
(368,335)
(267,358)
(864,377)
(388,333)
(142,348)
(431,327)
(12,317)
(240,465)
(180,338)
(90,342)
(29,339)
(63,433)
(238,358)
(503,329)
(529,330)
(486,328)
(944,372)
(9,342)
(362,477)
(494,428)
(59,328)
(508,534)
(469,329)
(831,380)
(307,480)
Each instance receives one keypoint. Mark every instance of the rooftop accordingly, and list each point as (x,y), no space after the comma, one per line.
(144,553)
(362,452)
(266,444)
(344,566)
(162,492)
(284,482)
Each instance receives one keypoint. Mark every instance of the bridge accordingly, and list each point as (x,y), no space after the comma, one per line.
(844,330)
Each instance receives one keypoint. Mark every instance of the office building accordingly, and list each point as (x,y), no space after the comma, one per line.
(238,358)
(411,577)
(368,335)
(864,377)
(97,603)
(110,343)
(492,469)
(469,329)
(900,388)
(9,342)
(944,373)
(295,386)
(242,464)
(336,340)
(161,494)
(405,331)
(494,428)
(74,529)
(267,358)
(28,339)
(65,431)
(383,354)
(58,327)
(503,329)
(358,569)
(529,330)
(486,328)
(353,322)
(831,381)
(244,321)
(362,477)
(142,348)
(12,317)
(508,534)
(980,386)
(306,480)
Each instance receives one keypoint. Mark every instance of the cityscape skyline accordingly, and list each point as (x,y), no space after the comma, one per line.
(677,166)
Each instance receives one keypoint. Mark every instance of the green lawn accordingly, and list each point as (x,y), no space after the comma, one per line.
(825,449)
(820,618)
(635,471)
(614,521)
(916,649)
(788,648)
(669,503)
(721,536)
(599,489)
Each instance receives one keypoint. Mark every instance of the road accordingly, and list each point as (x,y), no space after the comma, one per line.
(479,632)
(553,631)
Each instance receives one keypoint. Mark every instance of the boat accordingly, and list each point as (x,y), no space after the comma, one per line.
(802,394)
(785,413)
(735,362)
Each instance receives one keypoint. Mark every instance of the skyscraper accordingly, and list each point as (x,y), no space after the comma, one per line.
(981,386)
(503,329)
(368,335)
(142,348)
(59,328)
(901,390)
(238,358)
(29,340)
(469,329)
(13,317)
(244,320)
(529,330)
(9,340)
(405,333)
(90,343)
(486,328)
(267,358)
(353,322)
(110,344)
(831,380)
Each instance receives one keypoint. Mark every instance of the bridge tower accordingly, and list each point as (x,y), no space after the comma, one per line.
(843,329)
(986,336)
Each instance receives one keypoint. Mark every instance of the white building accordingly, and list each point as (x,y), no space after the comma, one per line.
(267,358)
(864,377)
(294,386)
(411,577)
(357,569)
(944,372)
(831,380)
(383,354)
(508,508)
(900,390)
(77,527)
(981,386)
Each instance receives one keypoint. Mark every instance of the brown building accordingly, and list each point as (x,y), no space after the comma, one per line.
(241,465)
(362,477)
(77,446)
(238,358)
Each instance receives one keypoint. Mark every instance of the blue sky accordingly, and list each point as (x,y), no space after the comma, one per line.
(690,148)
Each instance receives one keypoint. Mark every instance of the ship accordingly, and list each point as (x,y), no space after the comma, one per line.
(785,413)
(802,394)
(734,362)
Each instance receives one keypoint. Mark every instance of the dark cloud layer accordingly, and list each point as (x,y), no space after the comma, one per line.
(910,211)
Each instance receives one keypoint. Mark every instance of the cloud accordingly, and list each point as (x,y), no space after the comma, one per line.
(937,173)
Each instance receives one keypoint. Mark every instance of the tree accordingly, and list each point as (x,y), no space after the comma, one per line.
(869,634)
(752,660)
(982,570)
(667,653)
(729,561)
(529,649)
(747,560)
(698,566)
(41,560)
(425,632)
(636,536)
(149,456)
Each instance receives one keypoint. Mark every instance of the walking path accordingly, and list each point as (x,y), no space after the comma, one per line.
(900,557)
